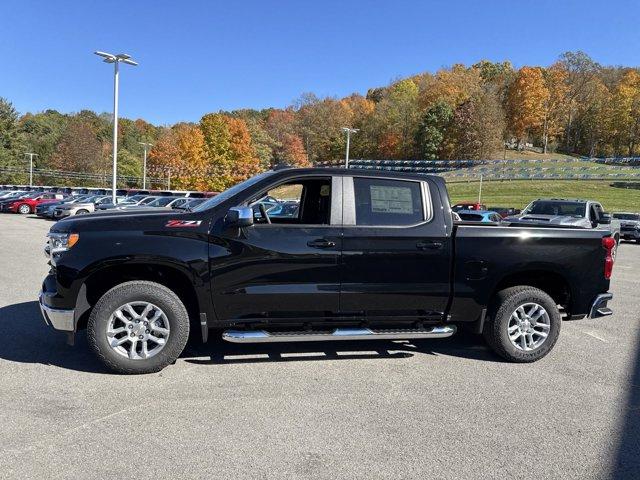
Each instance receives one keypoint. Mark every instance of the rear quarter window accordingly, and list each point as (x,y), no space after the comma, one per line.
(385,202)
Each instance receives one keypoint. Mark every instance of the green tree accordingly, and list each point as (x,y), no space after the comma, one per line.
(11,138)
(432,130)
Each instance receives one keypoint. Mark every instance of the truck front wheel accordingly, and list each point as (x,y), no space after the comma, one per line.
(523,324)
(138,327)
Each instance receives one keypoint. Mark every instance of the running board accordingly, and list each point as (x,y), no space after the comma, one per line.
(262,336)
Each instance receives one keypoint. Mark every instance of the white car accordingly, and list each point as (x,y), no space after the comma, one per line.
(81,208)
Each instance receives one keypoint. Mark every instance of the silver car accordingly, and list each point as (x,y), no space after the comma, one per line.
(629,225)
(88,205)
(569,213)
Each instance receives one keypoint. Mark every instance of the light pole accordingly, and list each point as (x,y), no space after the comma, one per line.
(349,131)
(144,163)
(31,155)
(115,59)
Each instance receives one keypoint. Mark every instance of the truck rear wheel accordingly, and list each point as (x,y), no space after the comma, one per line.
(523,324)
(138,327)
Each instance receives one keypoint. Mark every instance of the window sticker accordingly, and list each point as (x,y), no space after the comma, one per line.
(391,199)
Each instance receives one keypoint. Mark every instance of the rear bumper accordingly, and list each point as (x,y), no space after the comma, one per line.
(599,306)
(63,320)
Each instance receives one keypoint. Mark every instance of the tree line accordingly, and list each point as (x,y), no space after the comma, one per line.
(574,106)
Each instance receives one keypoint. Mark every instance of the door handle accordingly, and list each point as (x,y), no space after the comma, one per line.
(428,245)
(321,243)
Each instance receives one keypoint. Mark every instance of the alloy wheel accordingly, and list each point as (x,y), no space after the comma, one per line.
(138,330)
(529,326)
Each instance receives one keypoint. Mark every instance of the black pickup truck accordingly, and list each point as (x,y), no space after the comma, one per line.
(358,255)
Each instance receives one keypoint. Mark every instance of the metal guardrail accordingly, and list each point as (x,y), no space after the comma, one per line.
(534,169)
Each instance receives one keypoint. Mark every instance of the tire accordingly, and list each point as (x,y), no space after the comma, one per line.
(24,209)
(500,321)
(138,292)
(82,212)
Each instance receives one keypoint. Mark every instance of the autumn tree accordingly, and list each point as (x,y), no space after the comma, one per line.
(397,117)
(289,147)
(454,86)
(527,98)
(626,114)
(79,148)
(320,123)
(477,128)
(555,104)
(179,152)
(581,70)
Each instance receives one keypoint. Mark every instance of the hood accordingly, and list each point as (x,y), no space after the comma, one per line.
(548,219)
(121,220)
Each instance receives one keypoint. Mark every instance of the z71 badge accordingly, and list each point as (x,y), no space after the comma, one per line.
(183,223)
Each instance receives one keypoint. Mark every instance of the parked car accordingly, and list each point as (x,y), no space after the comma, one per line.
(47,210)
(43,209)
(479,216)
(166,202)
(27,204)
(190,204)
(140,280)
(629,225)
(136,202)
(505,211)
(11,197)
(570,213)
(88,205)
(284,210)
(468,206)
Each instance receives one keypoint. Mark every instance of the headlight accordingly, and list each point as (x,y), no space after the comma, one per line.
(61,242)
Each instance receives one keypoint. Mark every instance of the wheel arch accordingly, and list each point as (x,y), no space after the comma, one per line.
(551,282)
(177,278)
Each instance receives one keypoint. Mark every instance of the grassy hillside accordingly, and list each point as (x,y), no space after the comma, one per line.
(518,193)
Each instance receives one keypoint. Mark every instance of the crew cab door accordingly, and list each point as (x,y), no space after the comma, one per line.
(288,269)
(396,253)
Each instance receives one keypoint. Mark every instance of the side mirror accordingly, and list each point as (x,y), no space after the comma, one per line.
(239,217)
(605,219)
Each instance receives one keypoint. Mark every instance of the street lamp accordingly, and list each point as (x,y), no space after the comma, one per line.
(348,131)
(115,59)
(144,163)
(31,155)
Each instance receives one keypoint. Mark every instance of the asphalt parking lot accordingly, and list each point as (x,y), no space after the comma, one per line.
(423,409)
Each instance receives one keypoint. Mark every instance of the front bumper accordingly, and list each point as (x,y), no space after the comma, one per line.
(61,213)
(63,320)
(599,306)
(630,234)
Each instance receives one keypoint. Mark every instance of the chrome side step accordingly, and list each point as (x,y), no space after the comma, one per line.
(262,336)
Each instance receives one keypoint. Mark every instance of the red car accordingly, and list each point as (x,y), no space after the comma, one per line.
(468,206)
(28,204)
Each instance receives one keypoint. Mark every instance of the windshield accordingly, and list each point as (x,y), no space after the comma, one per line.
(230,192)
(148,200)
(627,216)
(550,207)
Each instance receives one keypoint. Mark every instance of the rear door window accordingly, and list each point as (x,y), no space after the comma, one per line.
(384,202)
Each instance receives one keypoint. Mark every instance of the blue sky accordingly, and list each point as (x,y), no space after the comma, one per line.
(202,56)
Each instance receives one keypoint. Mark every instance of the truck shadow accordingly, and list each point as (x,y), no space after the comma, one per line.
(26,339)
(627,462)
(220,352)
